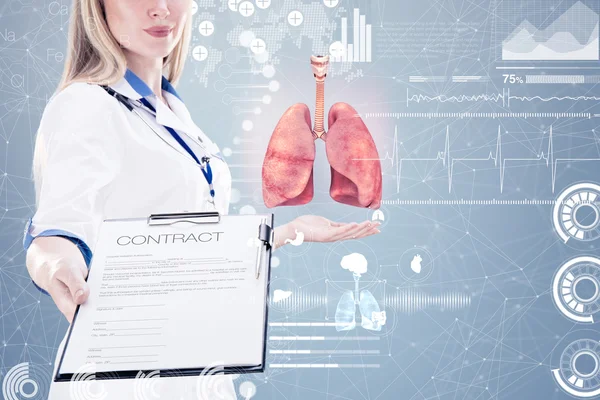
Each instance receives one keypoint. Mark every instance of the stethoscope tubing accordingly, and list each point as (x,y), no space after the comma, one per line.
(204,164)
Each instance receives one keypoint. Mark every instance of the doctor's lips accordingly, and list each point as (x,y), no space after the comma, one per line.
(159,31)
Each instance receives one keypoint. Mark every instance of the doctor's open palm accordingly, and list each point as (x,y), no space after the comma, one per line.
(57,265)
(319,229)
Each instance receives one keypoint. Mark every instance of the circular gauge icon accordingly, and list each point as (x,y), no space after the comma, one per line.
(576,364)
(576,214)
(576,289)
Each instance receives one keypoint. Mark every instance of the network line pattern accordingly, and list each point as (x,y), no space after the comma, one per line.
(493,318)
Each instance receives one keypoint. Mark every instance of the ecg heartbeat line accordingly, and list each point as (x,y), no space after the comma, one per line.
(505,97)
(547,157)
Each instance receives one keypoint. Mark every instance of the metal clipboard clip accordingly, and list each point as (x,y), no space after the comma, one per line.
(265,232)
(205,217)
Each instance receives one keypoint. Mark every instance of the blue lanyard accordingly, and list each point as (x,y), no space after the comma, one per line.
(206,171)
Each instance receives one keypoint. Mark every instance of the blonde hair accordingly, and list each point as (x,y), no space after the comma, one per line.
(95,56)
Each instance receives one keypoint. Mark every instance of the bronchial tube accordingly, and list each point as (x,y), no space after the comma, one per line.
(319,66)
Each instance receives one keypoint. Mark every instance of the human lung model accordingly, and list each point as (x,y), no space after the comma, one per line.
(287,173)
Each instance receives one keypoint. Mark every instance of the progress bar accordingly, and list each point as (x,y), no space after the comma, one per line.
(323,365)
(305,324)
(494,202)
(525,115)
(320,338)
(323,351)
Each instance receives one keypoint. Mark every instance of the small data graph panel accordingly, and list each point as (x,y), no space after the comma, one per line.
(360,49)
(542,30)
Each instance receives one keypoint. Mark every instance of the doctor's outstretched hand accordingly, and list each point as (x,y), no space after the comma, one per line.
(57,266)
(320,229)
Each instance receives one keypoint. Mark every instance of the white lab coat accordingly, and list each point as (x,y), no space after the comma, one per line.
(97,161)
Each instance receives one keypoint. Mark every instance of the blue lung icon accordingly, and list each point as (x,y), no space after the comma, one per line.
(344,314)
(368,305)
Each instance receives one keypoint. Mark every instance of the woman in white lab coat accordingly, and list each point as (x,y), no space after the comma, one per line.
(94,159)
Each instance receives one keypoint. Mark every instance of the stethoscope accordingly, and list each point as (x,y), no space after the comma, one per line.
(203,162)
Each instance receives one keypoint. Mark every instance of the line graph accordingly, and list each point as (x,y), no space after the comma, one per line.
(505,97)
(572,36)
(547,158)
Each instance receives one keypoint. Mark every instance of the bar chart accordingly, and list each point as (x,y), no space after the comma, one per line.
(360,49)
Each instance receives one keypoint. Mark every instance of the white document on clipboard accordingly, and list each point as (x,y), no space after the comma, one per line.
(175,293)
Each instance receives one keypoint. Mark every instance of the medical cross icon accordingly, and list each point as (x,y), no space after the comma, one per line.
(263,3)
(247,9)
(295,18)
(206,28)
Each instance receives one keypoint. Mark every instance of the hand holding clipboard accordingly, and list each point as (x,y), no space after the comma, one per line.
(174,293)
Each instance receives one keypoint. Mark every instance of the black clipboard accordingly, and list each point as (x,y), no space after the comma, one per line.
(265,234)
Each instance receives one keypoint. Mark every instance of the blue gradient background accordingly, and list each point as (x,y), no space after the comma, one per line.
(503,256)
